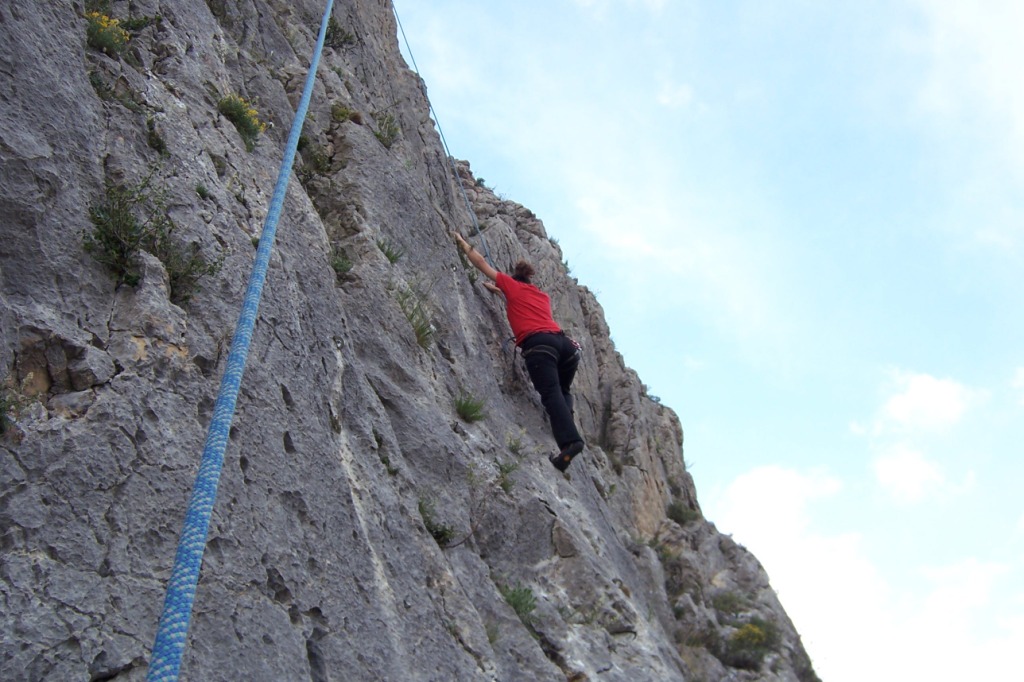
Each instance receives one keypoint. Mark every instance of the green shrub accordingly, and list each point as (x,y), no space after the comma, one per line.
(118,235)
(244,117)
(681,514)
(127,98)
(747,646)
(202,191)
(469,408)
(132,218)
(411,303)
(5,410)
(390,251)
(318,160)
(515,442)
(105,34)
(386,461)
(185,267)
(728,603)
(137,24)
(154,138)
(315,162)
(521,600)
(336,36)
(505,472)
(387,128)
(340,262)
(340,113)
(441,532)
(103,91)
(12,401)
(9,406)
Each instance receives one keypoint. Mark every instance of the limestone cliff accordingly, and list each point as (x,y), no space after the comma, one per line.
(364,529)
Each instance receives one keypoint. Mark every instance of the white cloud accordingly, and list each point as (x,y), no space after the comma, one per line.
(601,7)
(768,509)
(675,95)
(694,364)
(784,492)
(917,407)
(697,261)
(976,57)
(962,586)
(856,621)
(970,103)
(1018,383)
(922,402)
(906,475)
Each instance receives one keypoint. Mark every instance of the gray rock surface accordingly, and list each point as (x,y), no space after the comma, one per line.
(346,456)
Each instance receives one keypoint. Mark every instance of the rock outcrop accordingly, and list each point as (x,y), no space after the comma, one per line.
(364,529)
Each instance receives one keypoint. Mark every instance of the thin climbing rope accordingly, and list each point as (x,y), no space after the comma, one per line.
(451,159)
(169,646)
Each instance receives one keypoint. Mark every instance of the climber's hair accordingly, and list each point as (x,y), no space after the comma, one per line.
(522,272)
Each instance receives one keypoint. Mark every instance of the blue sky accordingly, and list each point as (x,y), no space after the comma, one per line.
(805,222)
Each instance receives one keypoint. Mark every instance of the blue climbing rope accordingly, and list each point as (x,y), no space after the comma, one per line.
(169,646)
(451,159)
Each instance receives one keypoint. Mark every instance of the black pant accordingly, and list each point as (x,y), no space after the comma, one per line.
(551,360)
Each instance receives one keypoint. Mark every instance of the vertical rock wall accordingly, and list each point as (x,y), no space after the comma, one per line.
(363,530)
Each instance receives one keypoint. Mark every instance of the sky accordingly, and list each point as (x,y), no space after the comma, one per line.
(805,223)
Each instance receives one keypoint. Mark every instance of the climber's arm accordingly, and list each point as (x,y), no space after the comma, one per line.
(475,257)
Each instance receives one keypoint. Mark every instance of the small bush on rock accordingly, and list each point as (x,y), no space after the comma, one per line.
(137,24)
(13,400)
(441,532)
(244,117)
(410,300)
(521,600)
(105,34)
(515,442)
(387,129)
(336,36)
(132,218)
(185,266)
(469,408)
(681,514)
(340,262)
(505,471)
(118,233)
(390,251)
(340,113)
(747,646)
(728,603)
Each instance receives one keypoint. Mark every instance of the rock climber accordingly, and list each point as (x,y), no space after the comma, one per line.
(551,357)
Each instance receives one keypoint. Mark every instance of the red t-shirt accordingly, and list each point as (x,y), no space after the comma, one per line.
(528,308)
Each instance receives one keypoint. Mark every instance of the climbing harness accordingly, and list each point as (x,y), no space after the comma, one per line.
(451,159)
(165,663)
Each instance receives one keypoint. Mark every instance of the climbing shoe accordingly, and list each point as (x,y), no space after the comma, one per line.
(562,460)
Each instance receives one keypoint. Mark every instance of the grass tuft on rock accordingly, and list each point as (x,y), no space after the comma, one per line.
(441,532)
(469,408)
(521,600)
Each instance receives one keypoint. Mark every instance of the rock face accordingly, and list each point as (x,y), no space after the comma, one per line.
(363,530)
